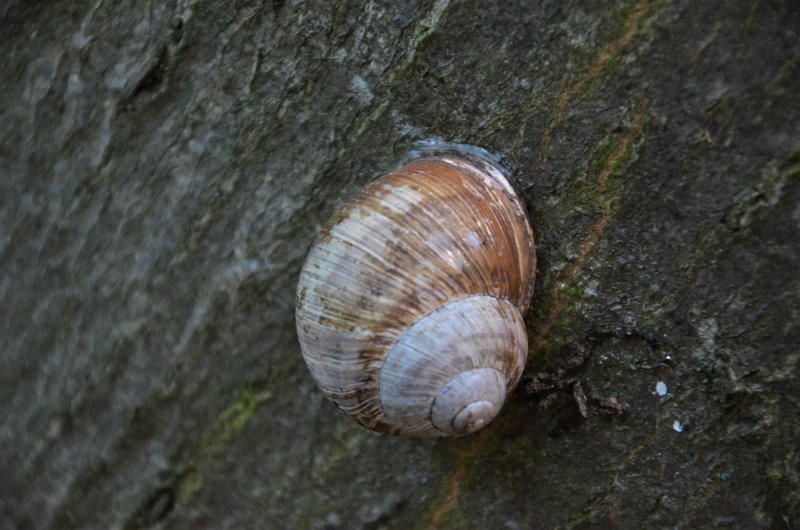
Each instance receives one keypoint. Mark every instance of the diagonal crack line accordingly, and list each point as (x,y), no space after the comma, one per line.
(586,246)
(608,52)
(455,481)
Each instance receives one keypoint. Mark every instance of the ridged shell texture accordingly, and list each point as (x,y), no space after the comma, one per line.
(410,302)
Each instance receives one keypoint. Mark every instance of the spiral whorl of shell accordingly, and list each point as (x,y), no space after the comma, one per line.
(409,303)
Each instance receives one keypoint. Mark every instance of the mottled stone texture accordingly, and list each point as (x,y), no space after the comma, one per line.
(164,167)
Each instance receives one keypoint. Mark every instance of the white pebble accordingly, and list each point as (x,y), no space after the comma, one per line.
(661,388)
(678,426)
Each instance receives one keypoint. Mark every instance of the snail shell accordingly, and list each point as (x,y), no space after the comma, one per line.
(410,302)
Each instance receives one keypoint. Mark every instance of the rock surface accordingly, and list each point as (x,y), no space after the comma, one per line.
(164,167)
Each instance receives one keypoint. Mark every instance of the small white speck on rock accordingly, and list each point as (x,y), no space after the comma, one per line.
(677,426)
(661,388)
